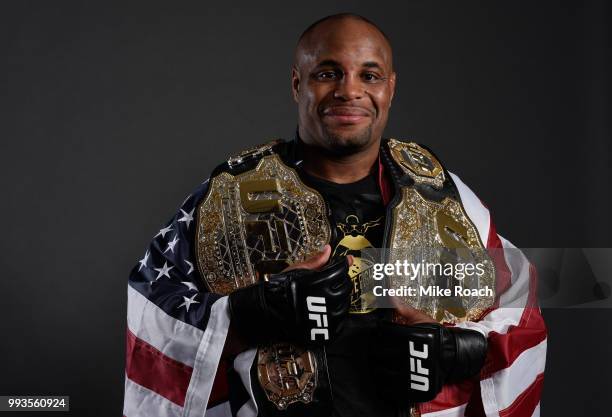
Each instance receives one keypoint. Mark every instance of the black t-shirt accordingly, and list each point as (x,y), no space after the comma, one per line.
(358,218)
(357,223)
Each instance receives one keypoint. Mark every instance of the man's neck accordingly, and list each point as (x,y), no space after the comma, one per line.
(341,169)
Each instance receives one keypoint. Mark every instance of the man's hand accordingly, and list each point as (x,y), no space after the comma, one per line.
(415,361)
(305,303)
(316,261)
(407,315)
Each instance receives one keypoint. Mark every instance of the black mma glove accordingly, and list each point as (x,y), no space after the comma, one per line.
(415,361)
(300,305)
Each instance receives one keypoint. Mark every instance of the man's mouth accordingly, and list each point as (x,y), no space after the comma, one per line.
(346,114)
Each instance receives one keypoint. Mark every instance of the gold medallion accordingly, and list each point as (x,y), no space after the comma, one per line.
(287,374)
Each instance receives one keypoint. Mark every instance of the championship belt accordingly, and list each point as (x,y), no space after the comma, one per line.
(436,231)
(252,225)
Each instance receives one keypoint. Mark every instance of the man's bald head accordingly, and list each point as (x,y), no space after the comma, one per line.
(312,34)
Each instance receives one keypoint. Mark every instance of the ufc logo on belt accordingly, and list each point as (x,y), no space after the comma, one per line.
(317,311)
(419,379)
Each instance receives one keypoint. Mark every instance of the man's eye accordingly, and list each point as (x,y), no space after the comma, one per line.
(369,76)
(327,75)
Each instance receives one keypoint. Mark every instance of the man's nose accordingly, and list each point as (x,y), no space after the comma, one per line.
(349,87)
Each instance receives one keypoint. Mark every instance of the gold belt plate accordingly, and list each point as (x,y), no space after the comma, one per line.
(426,231)
(257,223)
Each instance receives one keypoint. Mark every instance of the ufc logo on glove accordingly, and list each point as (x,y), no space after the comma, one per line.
(317,311)
(419,379)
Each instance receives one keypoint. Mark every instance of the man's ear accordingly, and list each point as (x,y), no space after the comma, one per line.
(295,83)
(392,80)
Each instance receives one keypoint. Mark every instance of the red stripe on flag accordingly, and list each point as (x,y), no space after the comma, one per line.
(505,348)
(150,368)
(531,331)
(525,404)
(220,388)
(452,395)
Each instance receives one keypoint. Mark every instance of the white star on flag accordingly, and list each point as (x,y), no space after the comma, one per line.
(143,261)
(189,301)
(190,266)
(189,285)
(171,245)
(163,231)
(163,271)
(187,217)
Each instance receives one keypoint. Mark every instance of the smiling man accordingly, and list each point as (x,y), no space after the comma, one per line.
(256,298)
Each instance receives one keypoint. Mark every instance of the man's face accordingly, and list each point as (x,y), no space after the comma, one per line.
(343,83)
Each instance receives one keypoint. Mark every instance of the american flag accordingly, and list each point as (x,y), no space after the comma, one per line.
(177,330)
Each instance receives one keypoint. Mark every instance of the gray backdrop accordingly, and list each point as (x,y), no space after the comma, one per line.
(112,113)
